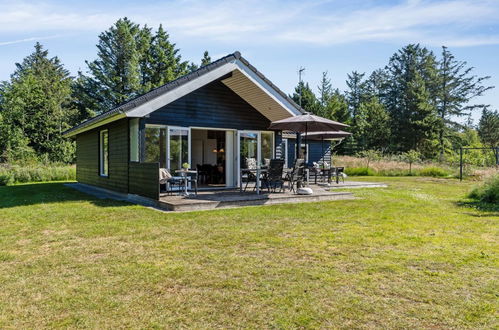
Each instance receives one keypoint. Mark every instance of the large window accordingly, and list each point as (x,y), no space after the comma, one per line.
(267,147)
(248,142)
(104,153)
(155,148)
(179,148)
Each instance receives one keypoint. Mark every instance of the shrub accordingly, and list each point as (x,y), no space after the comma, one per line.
(488,192)
(359,171)
(10,174)
(433,171)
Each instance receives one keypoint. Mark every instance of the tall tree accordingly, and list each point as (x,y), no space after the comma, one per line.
(488,128)
(143,41)
(115,74)
(36,107)
(308,100)
(356,92)
(410,97)
(372,130)
(457,86)
(167,61)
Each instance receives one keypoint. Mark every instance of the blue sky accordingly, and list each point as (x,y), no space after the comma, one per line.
(276,36)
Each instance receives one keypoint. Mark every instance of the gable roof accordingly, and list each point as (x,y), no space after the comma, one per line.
(244,79)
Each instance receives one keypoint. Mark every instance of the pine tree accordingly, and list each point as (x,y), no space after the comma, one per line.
(488,128)
(206,59)
(36,107)
(146,60)
(167,61)
(308,100)
(410,98)
(337,108)
(457,86)
(115,74)
(325,89)
(372,130)
(356,92)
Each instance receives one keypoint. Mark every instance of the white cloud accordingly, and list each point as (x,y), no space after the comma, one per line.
(450,22)
(18,41)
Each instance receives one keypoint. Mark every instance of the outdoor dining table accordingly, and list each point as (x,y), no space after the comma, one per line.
(258,172)
(183,173)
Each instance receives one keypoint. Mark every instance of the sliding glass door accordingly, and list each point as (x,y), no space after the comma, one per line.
(254,148)
(178,148)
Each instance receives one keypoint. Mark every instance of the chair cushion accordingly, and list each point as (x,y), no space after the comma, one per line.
(304,191)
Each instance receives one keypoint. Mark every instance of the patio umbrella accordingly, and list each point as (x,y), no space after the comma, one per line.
(331,135)
(306,123)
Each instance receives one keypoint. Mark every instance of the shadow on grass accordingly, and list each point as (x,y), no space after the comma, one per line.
(50,192)
(490,209)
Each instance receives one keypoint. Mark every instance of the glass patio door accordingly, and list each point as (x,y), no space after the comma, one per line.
(178,147)
(249,151)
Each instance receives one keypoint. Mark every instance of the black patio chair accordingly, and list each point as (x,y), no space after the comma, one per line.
(273,177)
(297,174)
(192,178)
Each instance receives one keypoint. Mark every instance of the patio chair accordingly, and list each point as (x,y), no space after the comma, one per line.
(297,174)
(192,178)
(338,173)
(273,178)
(247,176)
(168,181)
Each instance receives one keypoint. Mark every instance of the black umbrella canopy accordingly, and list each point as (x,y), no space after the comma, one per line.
(307,123)
(328,135)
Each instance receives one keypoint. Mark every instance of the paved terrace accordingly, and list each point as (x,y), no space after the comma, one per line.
(216,199)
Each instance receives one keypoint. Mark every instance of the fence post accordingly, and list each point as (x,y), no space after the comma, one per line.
(461,164)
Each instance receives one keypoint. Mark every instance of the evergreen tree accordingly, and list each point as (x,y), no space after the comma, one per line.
(206,58)
(411,97)
(36,108)
(115,74)
(167,61)
(143,41)
(372,130)
(337,108)
(488,128)
(356,92)
(325,89)
(308,100)
(457,86)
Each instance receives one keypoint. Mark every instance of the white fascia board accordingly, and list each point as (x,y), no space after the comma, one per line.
(269,90)
(96,124)
(162,100)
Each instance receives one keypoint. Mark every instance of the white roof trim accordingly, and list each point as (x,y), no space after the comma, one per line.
(170,96)
(167,98)
(267,89)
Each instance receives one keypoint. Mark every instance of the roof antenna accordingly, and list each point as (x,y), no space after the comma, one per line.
(299,81)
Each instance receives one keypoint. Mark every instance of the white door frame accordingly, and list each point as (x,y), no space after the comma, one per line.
(168,128)
(238,153)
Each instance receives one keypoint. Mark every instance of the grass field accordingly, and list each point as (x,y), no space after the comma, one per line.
(413,255)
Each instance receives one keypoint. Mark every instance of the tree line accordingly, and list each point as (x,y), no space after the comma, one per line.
(42,100)
(414,103)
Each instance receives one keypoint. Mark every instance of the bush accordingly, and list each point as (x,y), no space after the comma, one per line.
(10,174)
(488,192)
(433,171)
(359,171)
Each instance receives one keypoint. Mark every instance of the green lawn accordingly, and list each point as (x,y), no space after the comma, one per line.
(406,256)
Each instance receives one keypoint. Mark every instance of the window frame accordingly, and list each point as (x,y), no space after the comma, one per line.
(103,159)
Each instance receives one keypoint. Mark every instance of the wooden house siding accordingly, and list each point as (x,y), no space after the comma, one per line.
(87,157)
(214,106)
(144,179)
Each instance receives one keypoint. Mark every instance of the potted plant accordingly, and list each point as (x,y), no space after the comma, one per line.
(186,166)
